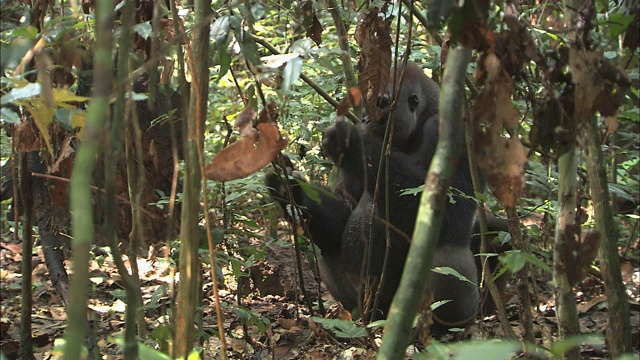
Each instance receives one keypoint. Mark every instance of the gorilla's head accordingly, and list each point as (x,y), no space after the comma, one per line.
(417,102)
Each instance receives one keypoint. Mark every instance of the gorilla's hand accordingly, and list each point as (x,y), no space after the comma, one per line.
(340,140)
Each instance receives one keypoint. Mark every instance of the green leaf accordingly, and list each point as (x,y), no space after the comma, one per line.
(482,350)
(436,350)
(562,347)
(437,304)
(515,260)
(143,29)
(9,116)
(145,352)
(60,344)
(137,96)
(29,32)
(412,191)
(620,192)
(445,270)
(309,190)
(302,46)
(618,23)
(224,58)
(62,96)
(291,74)
(342,328)
(220,31)
(25,92)
(257,11)
(248,48)
(161,333)
(376,324)
(194,355)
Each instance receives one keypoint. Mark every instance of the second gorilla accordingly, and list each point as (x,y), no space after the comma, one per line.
(348,226)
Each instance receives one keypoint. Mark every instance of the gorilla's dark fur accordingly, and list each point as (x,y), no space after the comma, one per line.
(340,224)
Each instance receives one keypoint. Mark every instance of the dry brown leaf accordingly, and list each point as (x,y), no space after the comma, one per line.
(353,99)
(372,34)
(311,22)
(501,156)
(27,139)
(580,252)
(247,155)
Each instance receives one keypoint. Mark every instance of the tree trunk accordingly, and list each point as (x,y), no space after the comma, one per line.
(619,329)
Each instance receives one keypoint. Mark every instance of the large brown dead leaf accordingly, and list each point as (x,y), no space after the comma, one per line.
(598,84)
(247,155)
(501,156)
(311,23)
(373,36)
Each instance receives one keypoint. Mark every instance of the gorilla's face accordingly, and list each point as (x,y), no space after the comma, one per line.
(417,101)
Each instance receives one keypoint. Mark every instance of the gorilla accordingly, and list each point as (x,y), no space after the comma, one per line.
(349,224)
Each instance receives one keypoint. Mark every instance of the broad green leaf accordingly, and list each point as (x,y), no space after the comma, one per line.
(342,328)
(143,29)
(481,350)
(29,32)
(376,324)
(160,333)
(220,31)
(25,92)
(618,23)
(291,74)
(9,116)
(515,260)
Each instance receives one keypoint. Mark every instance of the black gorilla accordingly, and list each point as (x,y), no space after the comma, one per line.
(341,225)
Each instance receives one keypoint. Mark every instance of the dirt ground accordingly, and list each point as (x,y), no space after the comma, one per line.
(280,325)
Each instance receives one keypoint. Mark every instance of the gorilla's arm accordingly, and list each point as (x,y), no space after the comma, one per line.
(324,213)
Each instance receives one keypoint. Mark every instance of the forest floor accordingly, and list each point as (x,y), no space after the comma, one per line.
(280,325)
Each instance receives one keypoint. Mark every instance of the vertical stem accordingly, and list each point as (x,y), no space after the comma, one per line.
(522,280)
(566,309)
(189,291)
(81,197)
(417,271)
(26,301)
